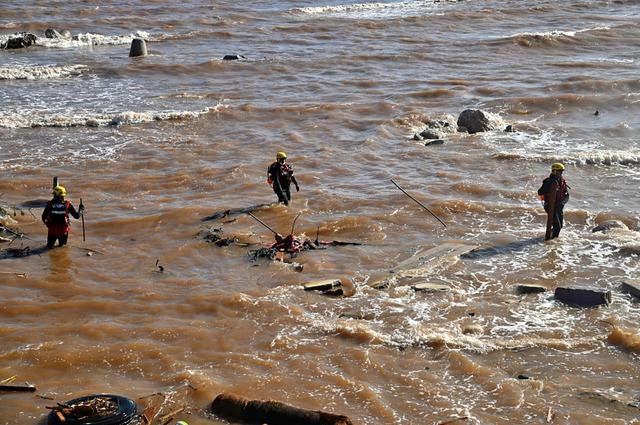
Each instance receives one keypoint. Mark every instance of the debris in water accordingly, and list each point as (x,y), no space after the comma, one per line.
(235,408)
(18,388)
(160,268)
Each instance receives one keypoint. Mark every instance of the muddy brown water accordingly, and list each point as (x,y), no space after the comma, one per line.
(152,145)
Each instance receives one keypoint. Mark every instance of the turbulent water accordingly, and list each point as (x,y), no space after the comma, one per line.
(154,144)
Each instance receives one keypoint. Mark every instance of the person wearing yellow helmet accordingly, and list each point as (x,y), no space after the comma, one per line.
(56,217)
(554,192)
(280,176)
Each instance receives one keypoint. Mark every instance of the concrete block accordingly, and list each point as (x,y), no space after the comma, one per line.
(322,285)
(583,297)
(430,287)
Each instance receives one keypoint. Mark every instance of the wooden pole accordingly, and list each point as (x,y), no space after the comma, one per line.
(551,210)
(55,181)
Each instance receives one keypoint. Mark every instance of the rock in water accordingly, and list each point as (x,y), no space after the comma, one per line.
(608,225)
(475,121)
(19,41)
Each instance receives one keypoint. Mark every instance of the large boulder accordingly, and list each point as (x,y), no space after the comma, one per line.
(476,121)
(19,41)
(608,225)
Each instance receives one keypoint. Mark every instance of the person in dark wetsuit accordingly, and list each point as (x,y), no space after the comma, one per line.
(280,175)
(562,196)
(56,217)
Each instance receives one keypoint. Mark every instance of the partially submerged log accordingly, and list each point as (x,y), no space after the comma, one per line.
(233,408)
(18,388)
(583,297)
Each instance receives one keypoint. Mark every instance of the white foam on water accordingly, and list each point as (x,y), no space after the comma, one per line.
(38,119)
(555,34)
(369,10)
(90,39)
(603,157)
(41,72)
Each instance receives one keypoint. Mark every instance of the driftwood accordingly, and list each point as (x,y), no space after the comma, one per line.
(17,274)
(231,408)
(18,388)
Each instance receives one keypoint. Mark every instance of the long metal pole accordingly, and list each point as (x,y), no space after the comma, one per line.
(419,203)
(263,223)
(82,215)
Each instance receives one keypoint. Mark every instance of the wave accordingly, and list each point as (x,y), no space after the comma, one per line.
(41,72)
(97,120)
(608,158)
(625,339)
(372,9)
(532,39)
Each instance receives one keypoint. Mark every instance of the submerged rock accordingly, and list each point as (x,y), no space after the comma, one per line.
(438,128)
(19,41)
(608,225)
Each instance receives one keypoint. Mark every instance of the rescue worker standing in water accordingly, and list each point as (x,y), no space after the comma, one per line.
(280,176)
(555,183)
(56,217)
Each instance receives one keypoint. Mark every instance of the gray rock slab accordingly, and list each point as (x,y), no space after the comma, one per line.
(430,287)
(583,297)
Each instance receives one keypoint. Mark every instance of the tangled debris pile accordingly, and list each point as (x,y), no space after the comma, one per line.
(93,409)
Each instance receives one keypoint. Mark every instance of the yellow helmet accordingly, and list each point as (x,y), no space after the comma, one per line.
(281,155)
(557,167)
(59,191)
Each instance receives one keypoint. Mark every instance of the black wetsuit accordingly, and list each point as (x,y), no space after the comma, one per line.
(562,197)
(281,175)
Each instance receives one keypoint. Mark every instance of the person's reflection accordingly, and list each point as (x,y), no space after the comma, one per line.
(60,263)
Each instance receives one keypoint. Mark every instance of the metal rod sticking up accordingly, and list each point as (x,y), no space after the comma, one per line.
(264,224)
(418,202)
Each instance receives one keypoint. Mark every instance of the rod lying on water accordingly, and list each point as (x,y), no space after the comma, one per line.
(418,202)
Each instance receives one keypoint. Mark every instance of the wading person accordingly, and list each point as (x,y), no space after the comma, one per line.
(280,176)
(555,194)
(56,217)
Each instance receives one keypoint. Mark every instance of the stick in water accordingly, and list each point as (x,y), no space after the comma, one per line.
(418,202)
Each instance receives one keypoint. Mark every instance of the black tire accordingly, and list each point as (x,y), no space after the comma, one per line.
(127,413)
